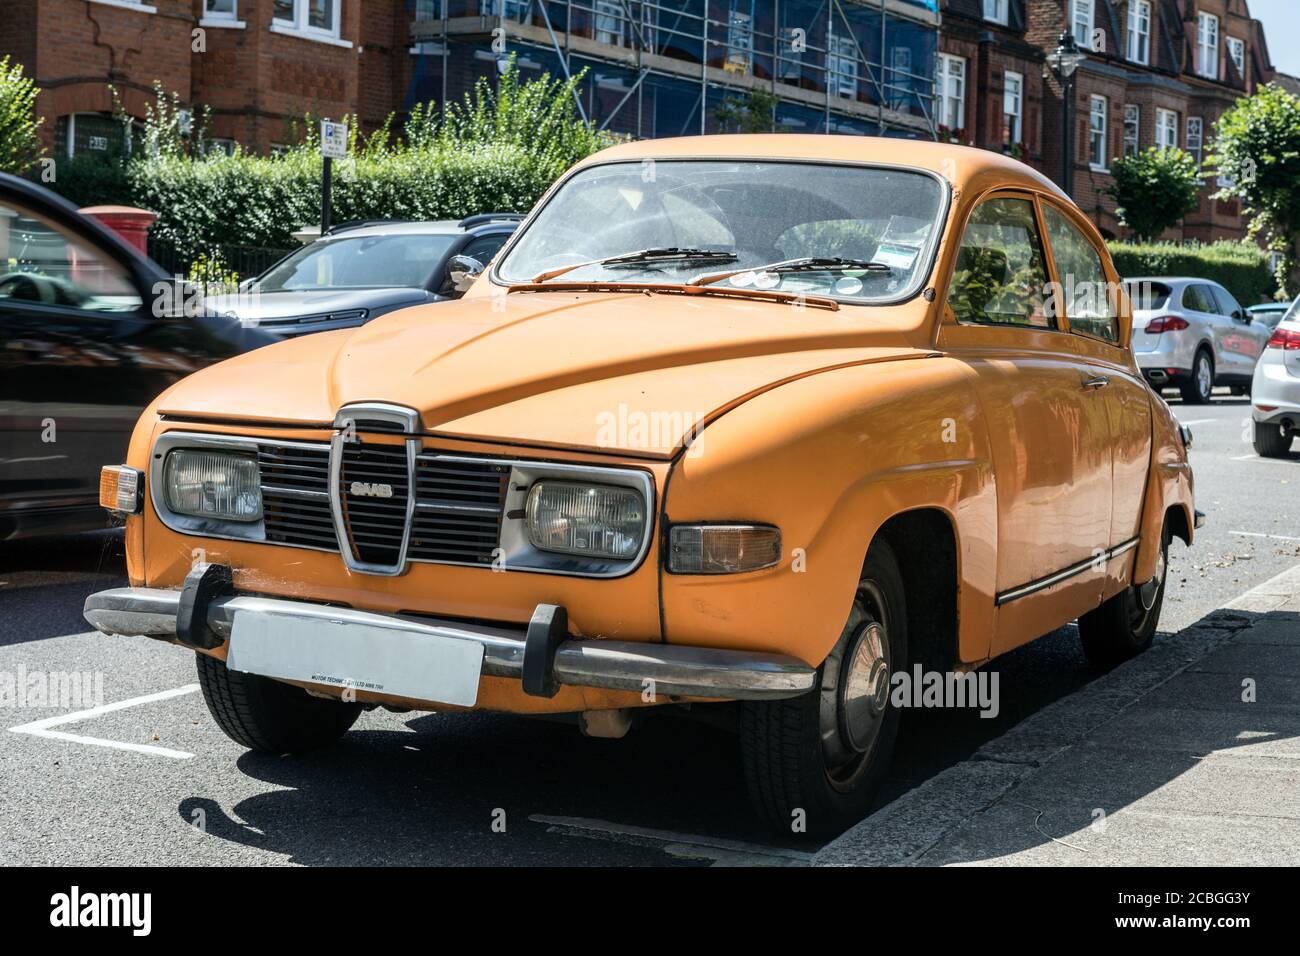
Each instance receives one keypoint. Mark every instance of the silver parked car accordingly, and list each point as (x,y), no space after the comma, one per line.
(1275,394)
(1191,334)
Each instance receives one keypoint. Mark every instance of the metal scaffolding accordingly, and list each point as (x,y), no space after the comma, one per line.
(863,66)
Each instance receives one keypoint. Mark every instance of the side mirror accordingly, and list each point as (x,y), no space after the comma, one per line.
(1242,316)
(247,284)
(462,271)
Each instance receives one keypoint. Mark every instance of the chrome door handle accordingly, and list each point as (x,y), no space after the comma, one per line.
(1100,381)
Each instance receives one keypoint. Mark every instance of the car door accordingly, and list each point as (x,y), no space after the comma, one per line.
(1093,311)
(1206,324)
(1048,433)
(1247,334)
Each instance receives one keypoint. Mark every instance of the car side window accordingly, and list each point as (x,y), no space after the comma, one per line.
(1226,304)
(1089,304)
(42,264)
(1001,272)
(1197,298)
(485,247)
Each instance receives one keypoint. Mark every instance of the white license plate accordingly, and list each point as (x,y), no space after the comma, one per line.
(360,656)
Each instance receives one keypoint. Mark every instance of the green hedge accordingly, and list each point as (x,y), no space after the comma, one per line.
(1240,267)
(260,201)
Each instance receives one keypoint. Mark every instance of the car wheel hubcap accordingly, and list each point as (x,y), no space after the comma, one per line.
(1147,593)
(1203,381)
(855,691)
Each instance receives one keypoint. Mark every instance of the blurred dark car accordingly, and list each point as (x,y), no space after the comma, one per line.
(91,331)
(359,271)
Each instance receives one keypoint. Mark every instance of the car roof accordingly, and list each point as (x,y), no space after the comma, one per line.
(957,164)
(1172,280)
(433,227)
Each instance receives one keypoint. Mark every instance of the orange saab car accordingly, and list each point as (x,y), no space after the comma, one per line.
(763,423)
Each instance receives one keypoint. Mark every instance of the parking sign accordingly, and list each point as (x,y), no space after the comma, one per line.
(333,139)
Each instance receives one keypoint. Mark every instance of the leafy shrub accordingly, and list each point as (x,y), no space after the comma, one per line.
(1240,267)
(1155,189)
(499,150)
(20,142)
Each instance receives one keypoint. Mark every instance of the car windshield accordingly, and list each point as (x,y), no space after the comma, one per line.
(360,262)
(1147,295)
(715,216)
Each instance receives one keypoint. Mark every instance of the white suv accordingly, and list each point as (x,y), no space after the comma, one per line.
(1192,334)
(1275,393)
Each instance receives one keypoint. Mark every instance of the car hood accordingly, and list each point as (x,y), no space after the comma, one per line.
(271,306)
(631,373)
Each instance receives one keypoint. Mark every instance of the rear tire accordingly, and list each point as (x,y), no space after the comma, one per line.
(1124,625)
(1271,441)
(1200,386)
(826,753)
(266,715)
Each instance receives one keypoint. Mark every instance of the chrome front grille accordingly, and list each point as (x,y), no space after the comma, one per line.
(374,491)
(456,518)
(295,495)
(457,509)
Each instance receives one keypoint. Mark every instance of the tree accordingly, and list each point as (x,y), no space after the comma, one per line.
(1257,154)
(20,141)
(746,114)
(1154,190)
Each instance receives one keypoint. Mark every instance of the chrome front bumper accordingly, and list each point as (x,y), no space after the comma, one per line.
(675,670)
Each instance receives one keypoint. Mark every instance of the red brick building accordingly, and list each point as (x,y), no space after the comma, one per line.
(256,63)
(1158,73)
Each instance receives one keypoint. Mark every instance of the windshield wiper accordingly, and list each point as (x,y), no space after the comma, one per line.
(804,264)
(667,254)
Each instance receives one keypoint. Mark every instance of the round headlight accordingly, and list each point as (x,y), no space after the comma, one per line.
(213,484)
(595,521)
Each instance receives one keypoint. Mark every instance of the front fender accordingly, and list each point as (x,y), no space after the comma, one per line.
(829,459)
(1170,484)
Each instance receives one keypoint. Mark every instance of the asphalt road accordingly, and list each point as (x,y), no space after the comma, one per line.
(156,782)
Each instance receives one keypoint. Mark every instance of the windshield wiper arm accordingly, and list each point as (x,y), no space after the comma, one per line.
(804,264)
(667,254)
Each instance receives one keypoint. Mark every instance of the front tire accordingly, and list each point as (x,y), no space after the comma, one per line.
(1124,625)
(1271,441)
(1198,389)
(266,715)
(820,758)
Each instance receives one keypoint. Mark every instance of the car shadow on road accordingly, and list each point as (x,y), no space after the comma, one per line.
(429,795)
(1172,764)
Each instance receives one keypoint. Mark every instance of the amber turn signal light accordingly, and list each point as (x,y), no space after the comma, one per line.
(120,489)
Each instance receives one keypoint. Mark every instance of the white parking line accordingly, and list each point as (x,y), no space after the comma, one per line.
(1256,534)
(41,728)
(684,845)
(1201,421)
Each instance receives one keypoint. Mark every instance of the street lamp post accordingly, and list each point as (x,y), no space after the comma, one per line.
(1064,61)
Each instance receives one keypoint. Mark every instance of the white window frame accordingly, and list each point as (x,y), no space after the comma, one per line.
(1013,95)
(1083,12)
(1207,45)
(607,21)
(1132,121)
(842,67)
(139,6)
(1166,124)
(301,26)
(1098,132)
(1196,137)
(740,40)
(997,11)
(1237,53)
(949,96)
(1139,32)
(221,19)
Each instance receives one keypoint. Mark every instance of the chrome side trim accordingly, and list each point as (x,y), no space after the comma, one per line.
(1033,587)
(675,670)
